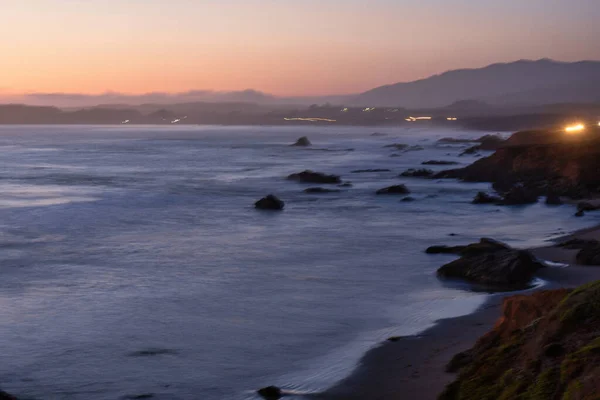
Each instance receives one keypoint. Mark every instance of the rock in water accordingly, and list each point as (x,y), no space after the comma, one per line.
(417,173)
(439,162)
(485,245)
(396,189)
(316,190)
(484,198)
(506,268)
(6,396)
(270,393)
(309,176)
(444,249)
(302,142)
(269,202)
(397,146)
(408,199)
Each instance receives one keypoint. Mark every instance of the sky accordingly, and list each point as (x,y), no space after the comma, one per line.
(283,47)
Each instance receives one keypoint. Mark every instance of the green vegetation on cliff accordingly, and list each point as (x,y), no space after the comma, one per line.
(545,347)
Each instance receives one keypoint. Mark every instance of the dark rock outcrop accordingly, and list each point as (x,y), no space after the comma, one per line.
(408,199)
(309,176)
(302,142)
(484,198)
(396,189)
(361,171)
(544,346)
(270,393)
(490,142)
(470,151)
(545,162)
(439,162)
(269,202)
(494,264)
(417,173)
(317,190)
(486,142)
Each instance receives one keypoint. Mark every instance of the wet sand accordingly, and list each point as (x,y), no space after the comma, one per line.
(413,367)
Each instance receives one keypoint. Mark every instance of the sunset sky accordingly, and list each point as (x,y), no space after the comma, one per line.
(284,47)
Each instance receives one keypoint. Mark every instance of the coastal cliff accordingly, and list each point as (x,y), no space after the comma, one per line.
(545,346)
(546,162)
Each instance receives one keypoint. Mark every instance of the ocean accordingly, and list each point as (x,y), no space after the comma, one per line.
(132,260)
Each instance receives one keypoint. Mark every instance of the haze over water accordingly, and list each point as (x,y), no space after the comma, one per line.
(133,261)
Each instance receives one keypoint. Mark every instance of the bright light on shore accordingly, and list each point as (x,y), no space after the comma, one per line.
(415,119)
(575,128)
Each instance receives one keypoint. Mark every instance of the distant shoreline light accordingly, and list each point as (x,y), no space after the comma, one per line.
(576,128)
(311,119)
(415,119)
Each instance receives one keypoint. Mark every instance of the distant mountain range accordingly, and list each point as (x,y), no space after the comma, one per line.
(116,100)
(522,82)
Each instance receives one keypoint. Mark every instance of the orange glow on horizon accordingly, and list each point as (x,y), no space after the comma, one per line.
(139,47)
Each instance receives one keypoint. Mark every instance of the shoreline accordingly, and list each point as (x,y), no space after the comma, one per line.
(413,367)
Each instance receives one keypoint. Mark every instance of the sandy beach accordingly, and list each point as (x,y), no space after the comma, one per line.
(413,367)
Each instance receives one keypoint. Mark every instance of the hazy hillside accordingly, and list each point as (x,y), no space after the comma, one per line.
(521,82)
